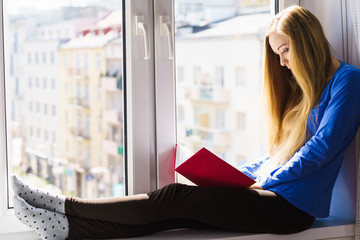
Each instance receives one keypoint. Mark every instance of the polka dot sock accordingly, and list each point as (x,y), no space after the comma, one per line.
(38,198)
(48,225)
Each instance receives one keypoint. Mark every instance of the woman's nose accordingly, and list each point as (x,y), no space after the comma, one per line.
(282,61)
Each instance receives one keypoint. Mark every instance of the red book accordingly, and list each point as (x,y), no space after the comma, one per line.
(206,169)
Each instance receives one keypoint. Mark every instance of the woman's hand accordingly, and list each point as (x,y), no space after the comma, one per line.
(256,186)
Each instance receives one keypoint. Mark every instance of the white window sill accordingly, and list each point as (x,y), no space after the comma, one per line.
(330,228)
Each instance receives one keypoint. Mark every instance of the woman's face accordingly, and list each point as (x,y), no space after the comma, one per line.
(280,44)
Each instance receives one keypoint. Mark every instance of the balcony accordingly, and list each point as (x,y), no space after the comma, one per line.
(80,134)
(111,83)
(112,116)
(79,102)
(209,136)
(78,73)
(112,148)
(210,94)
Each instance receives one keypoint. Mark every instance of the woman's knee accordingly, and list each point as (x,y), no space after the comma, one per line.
(170,193)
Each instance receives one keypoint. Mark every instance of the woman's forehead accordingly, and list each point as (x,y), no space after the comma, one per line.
(277,40)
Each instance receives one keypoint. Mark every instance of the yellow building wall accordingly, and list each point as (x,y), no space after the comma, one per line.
(83,152)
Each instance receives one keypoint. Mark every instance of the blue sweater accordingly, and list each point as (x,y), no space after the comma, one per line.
(307,179)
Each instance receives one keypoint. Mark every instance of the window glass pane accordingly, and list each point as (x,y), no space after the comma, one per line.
(64,94)
(219,49)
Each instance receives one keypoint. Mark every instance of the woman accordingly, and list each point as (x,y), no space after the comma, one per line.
(313,114)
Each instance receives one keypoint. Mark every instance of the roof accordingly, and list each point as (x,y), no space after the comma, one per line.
(240,25)
(90,41)
(98,34)
(111,21)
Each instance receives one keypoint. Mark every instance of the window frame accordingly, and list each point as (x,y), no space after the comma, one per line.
(139,139)
(139,101)
(165,94)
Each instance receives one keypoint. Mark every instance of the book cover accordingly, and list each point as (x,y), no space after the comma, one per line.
(206,169)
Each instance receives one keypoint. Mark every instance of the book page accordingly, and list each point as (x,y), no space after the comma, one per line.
(181,154)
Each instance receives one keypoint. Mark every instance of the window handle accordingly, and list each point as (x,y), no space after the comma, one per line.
(165,29)
(142,29)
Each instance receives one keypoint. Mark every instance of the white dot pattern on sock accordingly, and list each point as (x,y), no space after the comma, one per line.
(38,198)
(48,225)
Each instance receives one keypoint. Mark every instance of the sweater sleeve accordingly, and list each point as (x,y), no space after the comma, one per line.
(250,168)
(336,130)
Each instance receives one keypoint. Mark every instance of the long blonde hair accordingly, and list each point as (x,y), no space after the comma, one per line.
(290,95)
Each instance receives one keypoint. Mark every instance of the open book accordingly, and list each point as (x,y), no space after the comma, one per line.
(206,169)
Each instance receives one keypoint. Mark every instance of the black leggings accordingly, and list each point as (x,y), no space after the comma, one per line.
(182,206)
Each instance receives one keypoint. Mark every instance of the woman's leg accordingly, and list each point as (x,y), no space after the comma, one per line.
(84,228)
(225,208)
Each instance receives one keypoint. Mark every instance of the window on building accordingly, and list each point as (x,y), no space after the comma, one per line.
(241,121)
(180,74)
(77,61)
(38,107)
(11,69)
(53,84)
(29,58)
(38,133)
(98,61)
(31,131)
(220,118)
(181,113)
(45,109)
(197,73)
(17,87)
(52,57)
(219,76)
(240,77)
(65,60)
(66,117)
(15,46)
(46,137)
(198,7)
(44,57)
(86,61)
(53,110)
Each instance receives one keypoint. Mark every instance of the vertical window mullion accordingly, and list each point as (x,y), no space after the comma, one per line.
(165,90)
(140,106)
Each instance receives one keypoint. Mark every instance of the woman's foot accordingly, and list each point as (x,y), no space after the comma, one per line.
(48,225)
(38,198)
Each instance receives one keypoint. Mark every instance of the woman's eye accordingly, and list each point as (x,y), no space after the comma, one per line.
(285,50)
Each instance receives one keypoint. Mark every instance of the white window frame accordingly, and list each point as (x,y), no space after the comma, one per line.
(140,100)
(164,93)
(140,118)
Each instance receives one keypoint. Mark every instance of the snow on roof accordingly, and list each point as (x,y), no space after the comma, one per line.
(90,41)
(241,25)
(99,33)
(113,19)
